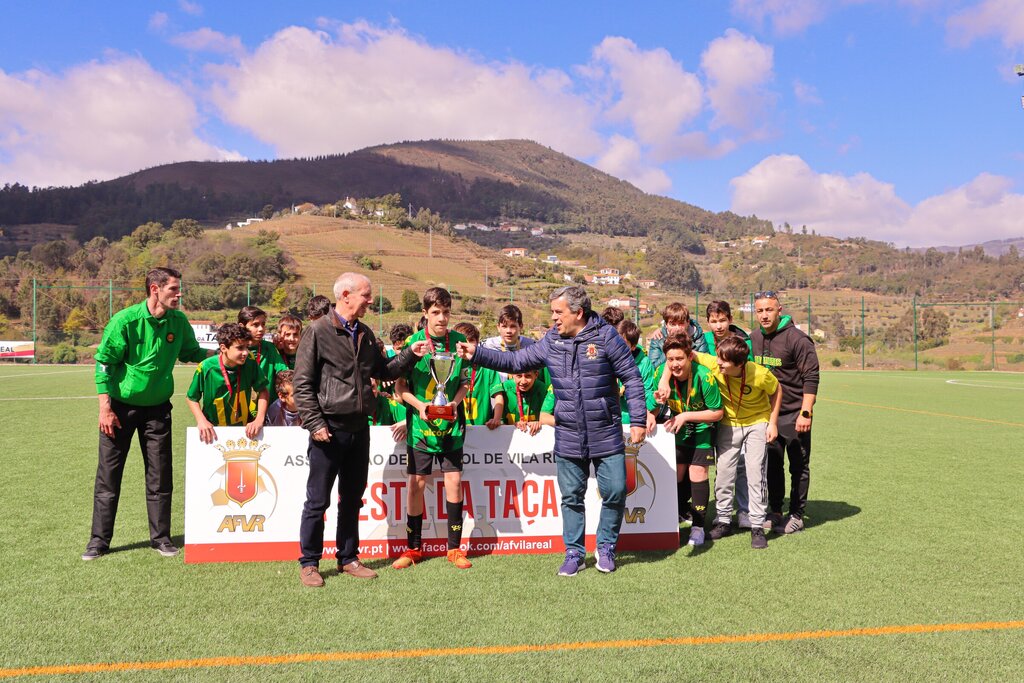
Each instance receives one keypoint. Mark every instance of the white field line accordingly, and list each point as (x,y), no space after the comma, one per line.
(49,398)
(961,383)
(40,374)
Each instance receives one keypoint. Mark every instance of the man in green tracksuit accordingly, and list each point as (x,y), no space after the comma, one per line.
(133,379)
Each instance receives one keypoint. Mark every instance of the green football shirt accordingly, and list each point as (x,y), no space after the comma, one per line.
(483,384)
(643,364)
(704,395)
(387,411)
(549,401)
(437,436)
(532,400)
(221,406)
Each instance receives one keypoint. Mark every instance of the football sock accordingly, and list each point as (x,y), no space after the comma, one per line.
(683,495)
(701,490)
(414,529)
(454,511)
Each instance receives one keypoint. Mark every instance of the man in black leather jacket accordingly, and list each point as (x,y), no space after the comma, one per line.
(336,358)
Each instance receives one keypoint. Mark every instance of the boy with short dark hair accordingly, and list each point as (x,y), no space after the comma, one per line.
(222,384)
(613,315)
(434,439)
(695,404)
(485,400)
(283,412)
(286,338)
(630,333)
(318,307)
(720,326)
(263,352)
(398,335)
(524,397)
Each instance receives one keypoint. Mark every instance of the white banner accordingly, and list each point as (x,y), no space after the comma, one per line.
(17,349)
(244,498)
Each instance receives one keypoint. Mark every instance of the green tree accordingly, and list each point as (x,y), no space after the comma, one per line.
(75,323)
(267,212)
(411,301)
(186,227)
(381,304)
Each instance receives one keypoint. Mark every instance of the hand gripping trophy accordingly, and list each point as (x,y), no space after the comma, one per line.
(442,364)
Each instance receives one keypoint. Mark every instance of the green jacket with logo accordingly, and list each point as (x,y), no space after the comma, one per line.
(137,354)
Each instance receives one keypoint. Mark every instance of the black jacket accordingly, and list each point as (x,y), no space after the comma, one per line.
(790,355)
(332,376)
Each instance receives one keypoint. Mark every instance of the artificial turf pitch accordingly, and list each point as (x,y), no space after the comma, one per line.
(914,519)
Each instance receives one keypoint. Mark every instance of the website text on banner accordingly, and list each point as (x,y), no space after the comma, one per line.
(243,498)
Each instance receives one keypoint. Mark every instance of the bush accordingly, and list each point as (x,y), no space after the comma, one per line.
(65,353)
(1015,358)
(954,364)
(836,362)
(381,304)
(411,302)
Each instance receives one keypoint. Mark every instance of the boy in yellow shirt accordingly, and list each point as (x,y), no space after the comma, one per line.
(751,398)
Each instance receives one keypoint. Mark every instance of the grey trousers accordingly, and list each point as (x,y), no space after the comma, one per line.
(751,440)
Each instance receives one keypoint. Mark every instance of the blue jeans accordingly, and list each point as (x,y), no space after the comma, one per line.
(572,483)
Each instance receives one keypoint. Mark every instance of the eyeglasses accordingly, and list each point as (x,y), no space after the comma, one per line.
(767,294)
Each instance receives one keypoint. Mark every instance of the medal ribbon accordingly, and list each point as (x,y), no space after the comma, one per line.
(227,380)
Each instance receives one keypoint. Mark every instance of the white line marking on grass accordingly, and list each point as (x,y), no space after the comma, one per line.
(48,398)
(961,383)
(40,374)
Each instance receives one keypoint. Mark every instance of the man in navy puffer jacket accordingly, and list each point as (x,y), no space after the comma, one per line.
(585,357)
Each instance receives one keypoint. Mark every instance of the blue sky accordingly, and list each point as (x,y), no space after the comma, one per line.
(897,120)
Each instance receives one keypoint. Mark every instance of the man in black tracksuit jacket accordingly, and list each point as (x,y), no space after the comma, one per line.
(790,355)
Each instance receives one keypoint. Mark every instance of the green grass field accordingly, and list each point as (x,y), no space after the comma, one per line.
(914,518)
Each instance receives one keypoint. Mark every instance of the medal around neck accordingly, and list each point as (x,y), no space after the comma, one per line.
(442,364)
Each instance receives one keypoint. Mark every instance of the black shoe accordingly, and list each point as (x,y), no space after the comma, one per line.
(757,539)
(93,553)
(720,530)
(166,549)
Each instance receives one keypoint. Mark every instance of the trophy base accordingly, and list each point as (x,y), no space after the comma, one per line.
(446,412)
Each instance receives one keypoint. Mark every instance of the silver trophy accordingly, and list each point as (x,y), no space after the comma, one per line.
(442,364)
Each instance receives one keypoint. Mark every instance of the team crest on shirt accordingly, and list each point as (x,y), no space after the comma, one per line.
(592,351)
(170,337)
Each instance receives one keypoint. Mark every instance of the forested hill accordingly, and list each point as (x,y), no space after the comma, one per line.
(460,180)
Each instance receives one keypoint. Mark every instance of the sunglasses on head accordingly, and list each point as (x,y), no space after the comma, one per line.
(767,294)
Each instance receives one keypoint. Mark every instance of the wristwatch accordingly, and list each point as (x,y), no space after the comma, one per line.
(806,413)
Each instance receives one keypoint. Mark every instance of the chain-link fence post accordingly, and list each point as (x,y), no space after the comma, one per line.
(863,334)
(35,351)
(915,330)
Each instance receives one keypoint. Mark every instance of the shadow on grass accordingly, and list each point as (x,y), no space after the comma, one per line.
(821,512)
(178,540)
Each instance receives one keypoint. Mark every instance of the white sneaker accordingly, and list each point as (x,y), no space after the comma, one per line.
(743,520)
(696,537)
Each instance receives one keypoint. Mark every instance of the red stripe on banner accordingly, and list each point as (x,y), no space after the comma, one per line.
(19,354)
(196,553)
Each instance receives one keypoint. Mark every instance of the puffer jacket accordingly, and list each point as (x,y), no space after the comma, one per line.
(332,375)
(584,370)
(656,352)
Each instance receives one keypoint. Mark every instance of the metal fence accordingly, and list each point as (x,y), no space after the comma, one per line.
(852,330)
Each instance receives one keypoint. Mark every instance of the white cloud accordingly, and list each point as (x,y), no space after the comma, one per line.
(624,159)
(208,40)
(787,17)
(193,8)
(158,21)
(1002,18)
(98,120)
(805,93)
(309,92)
(656,96)
(738,69)
(784,188)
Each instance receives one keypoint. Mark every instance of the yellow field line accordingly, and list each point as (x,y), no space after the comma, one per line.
(301,658)
(922,412)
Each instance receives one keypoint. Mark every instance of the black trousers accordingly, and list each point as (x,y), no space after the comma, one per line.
(346,458)
(797,446)
(153,424)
